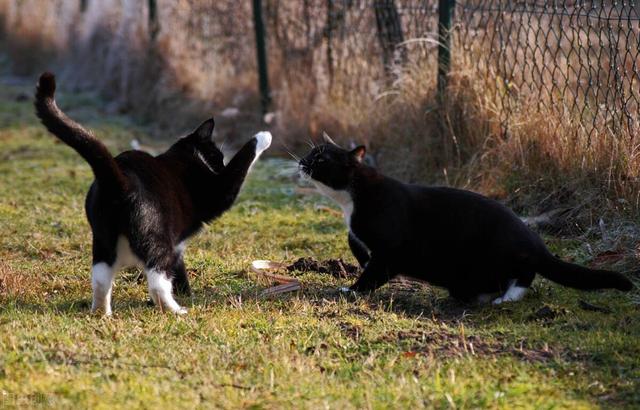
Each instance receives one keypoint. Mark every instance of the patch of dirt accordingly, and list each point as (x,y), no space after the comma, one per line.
(350,331)
(546,314)
(334,267)
(442,343)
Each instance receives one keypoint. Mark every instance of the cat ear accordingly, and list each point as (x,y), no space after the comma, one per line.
(358,153)
(205,130)
(328,139)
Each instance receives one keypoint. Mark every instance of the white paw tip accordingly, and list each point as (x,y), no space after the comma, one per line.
(264,140)
(181,311)
(498,301)
(101,312)
(343,289)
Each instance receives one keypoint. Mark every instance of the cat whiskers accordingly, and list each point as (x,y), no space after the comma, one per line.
(303,175)
(296,158)
(286,148)
(224,141)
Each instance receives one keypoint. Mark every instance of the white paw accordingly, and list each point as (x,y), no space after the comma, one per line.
(181,311)
(102,312)
(503,299)
(346,290)
(264,141)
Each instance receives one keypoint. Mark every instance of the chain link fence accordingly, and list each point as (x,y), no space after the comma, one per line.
(581,58)
(578,58)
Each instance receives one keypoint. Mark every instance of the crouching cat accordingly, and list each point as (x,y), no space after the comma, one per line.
(469,244)
(142,208)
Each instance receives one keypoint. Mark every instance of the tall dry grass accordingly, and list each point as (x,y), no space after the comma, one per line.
(189,69)
(524,139)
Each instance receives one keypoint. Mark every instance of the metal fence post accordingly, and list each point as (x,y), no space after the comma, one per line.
(261,53)
(445,17)
(154,25)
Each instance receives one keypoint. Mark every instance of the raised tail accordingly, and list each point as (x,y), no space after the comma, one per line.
(104,166)
(580,277)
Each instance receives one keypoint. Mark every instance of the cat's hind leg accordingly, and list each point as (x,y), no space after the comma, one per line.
(102,275)
(103,269)
(159,255)
(517,289)
(161,290)
(180,278)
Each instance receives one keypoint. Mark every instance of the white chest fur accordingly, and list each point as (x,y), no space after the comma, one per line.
(125,256)
(342,197)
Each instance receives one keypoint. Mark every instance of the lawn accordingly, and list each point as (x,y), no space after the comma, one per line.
(406,346)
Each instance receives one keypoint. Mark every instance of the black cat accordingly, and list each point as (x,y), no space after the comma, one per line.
(143,208)
(469,244)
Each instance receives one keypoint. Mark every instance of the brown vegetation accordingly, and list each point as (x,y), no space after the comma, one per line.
(488,134)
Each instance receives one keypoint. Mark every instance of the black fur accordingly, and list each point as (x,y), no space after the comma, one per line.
(456,239)
(154,202)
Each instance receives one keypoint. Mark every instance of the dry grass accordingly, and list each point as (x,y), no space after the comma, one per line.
(404,346)
(188,70)
(11,283)
(202,61)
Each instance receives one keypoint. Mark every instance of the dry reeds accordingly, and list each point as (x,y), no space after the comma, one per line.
(508,125)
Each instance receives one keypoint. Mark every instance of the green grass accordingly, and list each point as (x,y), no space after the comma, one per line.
(403,347)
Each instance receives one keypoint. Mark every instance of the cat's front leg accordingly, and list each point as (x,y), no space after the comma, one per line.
(375,274)
(240,164)
(358,249)
(263,139)
(236,170)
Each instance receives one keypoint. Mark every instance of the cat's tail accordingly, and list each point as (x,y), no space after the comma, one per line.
(104,166)
(580,277)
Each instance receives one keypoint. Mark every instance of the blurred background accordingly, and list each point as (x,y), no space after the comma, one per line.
(533,102)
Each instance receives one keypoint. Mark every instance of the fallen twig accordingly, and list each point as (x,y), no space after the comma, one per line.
(284,288)
(285,283)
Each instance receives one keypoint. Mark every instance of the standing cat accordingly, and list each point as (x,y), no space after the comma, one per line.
(142,208)
(469,244)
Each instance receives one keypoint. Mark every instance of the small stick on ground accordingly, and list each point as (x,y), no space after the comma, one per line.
(284,288)
(285,283)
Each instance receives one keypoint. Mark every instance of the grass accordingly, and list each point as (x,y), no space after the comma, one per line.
(403,347)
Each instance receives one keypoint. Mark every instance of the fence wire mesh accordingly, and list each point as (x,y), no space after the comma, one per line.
(578,58)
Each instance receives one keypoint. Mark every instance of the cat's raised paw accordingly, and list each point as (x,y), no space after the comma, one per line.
(264,140)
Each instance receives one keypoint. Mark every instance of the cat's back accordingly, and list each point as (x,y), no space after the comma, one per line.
(147,173)
(138,163)
(463,214)
(448,199)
